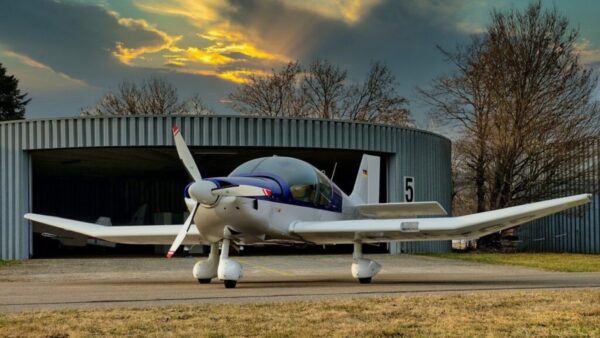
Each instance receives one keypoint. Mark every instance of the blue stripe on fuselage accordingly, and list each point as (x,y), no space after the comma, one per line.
(279,187)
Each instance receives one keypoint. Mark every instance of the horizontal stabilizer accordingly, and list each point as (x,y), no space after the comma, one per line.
(400,210)
(440,228)
(136,234)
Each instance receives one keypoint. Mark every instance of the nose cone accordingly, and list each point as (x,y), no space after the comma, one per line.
(201,192)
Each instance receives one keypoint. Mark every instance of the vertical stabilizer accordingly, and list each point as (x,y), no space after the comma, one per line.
(366,187)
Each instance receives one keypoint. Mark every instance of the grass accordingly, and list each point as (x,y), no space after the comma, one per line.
(502,314)
(564,262)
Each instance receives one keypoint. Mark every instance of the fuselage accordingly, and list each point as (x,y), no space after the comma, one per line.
(298,191)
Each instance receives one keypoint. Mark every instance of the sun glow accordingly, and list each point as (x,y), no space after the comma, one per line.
(221,46)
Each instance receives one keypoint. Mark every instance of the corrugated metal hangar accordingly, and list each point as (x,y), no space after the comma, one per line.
(87,167)
(577,230)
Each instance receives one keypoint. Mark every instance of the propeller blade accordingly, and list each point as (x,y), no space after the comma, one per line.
(242,191)
(184,154)
(182,232)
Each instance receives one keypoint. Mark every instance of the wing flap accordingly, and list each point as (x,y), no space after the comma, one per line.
(398,210)
(137,234)
(441,228)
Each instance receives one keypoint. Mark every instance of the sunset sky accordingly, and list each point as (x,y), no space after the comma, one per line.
(68,53)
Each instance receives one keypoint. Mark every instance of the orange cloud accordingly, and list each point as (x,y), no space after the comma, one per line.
(348,11)
(200,12)
(126,55)
(206,56)
(224,42)
(237,76)
(231,41)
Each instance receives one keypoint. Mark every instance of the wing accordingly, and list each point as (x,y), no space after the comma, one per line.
(442,228)
(397,210)
(137,234)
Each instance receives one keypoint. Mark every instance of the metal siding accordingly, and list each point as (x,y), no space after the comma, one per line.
(410,152)
(3,189)
(22,240)
(577,231)
(11,193)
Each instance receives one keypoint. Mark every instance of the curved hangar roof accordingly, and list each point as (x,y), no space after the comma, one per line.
(408,152)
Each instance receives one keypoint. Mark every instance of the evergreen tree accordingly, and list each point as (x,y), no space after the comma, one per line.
(12,102)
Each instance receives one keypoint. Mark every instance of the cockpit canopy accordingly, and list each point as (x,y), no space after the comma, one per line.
(306,184)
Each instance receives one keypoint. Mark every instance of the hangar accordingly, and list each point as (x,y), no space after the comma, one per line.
(87,167)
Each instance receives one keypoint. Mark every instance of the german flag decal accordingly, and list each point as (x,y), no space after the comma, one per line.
(365,172)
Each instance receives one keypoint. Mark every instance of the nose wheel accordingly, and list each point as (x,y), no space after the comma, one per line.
(204,271)
(229,271)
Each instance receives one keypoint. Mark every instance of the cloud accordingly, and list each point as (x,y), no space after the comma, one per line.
(223,48)
(220,43)
(64,81)
(163,42)
(588,55)
(81,42)
(348,11)
(200,13)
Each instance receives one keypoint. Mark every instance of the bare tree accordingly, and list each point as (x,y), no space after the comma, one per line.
(196,106)
(155,96)
(323,86)
(322,91)
(523,105)
(545,113)
(273,95)
(159,97)
(376,100)
(463,100)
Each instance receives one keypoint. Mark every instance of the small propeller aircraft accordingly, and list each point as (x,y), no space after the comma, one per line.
(285,200)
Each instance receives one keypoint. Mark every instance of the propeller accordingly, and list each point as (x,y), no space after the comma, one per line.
(203,191)
(184,154)
(190,165)
(182,232)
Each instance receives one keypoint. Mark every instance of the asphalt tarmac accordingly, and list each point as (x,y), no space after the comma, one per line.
(141,282)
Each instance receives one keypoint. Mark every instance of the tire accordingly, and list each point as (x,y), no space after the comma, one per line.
(230,284)
(204,280)
(364,280)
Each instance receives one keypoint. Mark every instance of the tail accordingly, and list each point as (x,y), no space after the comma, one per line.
(366,187)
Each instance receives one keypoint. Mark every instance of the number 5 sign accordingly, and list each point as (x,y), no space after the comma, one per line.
(409,189)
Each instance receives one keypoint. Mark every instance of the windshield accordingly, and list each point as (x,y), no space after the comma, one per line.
(299,175)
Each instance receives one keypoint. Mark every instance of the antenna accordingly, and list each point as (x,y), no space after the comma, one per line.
(333,172)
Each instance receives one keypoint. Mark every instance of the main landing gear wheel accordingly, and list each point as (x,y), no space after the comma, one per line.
(363,269)
(230,284)
(204,280)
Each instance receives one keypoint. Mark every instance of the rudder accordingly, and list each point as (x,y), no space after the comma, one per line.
(366,186)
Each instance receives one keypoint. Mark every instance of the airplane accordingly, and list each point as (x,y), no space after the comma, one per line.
(283,200)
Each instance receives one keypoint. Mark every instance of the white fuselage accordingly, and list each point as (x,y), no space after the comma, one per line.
(249,220)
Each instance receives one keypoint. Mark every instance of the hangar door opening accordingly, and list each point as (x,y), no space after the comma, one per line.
(144,185)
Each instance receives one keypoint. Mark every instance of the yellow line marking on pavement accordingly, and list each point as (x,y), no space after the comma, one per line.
(271,270)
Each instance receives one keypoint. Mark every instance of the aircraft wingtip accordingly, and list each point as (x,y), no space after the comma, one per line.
(175,130)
